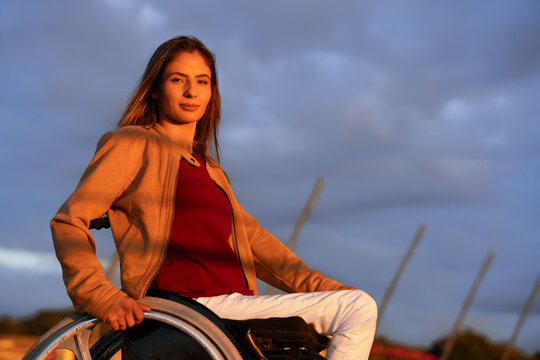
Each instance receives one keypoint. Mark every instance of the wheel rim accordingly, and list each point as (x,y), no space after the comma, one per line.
(73,332)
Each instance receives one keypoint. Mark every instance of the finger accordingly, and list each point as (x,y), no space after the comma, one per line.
(143,307)
(121,325)
(113,324)
(112,321)
(138,314)
(129,318)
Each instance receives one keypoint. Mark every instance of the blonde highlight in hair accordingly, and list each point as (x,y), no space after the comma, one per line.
(142,109)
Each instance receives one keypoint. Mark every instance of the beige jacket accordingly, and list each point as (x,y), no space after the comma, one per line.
(132,178)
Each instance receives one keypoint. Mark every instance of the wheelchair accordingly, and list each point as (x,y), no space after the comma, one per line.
(178,327)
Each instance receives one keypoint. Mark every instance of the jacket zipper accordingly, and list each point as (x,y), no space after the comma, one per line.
(149,280)
(235,238)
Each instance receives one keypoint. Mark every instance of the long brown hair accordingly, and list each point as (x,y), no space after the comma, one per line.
(142,109)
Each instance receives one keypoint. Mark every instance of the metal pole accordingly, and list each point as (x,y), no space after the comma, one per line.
(306,213)
(308,209)
(449,344)
(401,268)
(524,312)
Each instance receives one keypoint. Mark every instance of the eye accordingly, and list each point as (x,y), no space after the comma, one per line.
(177,80)
(203,82)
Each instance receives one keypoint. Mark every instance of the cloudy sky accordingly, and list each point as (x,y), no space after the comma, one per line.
(411,111)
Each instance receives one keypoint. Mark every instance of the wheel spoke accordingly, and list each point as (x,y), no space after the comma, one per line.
(82,345)
(77,342)
(72,334)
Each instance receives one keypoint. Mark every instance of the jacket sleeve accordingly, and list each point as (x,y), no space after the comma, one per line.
(278,266)
(101,184)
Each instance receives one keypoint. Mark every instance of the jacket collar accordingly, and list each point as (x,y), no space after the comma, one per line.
(197,146)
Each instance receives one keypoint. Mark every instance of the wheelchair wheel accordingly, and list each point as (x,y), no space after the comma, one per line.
(73,334)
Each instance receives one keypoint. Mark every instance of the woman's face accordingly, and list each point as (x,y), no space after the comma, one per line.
(185,89)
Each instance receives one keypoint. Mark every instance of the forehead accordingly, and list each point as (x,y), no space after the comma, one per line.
(189,63)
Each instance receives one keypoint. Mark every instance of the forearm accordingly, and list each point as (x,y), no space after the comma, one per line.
(280,267)
(83,275)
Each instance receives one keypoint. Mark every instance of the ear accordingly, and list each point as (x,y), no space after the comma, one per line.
(154,95)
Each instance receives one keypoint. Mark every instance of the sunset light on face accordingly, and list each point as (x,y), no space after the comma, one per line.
(184,90)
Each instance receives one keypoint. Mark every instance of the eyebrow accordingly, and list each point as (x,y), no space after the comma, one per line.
(181,74)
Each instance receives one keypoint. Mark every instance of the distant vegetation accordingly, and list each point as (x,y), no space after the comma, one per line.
(473,346)
(470,345)
(36,324)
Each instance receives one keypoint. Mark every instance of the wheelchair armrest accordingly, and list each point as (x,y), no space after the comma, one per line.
(100,223)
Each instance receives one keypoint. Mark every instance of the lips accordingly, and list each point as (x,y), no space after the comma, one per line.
(189,107)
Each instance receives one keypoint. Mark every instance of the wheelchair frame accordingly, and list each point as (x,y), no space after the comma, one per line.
(193,319)
(73,332)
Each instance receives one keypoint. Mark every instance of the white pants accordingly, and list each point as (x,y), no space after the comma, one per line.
(349,316)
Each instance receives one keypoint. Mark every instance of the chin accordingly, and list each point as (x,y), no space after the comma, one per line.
(188,119)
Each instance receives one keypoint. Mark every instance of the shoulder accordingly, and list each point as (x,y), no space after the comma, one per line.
(130,137)
(210,161)
(127,134)
(214,167)
(132,131)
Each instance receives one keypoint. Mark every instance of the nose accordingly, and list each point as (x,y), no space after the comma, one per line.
(190,90)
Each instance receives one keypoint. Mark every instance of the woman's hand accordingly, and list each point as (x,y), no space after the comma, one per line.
(126,313)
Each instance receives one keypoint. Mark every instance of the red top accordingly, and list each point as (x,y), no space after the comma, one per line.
(200,261)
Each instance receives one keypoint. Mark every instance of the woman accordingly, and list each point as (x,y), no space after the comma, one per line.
(176,222)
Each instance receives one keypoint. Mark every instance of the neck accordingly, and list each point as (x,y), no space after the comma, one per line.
(181,134)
